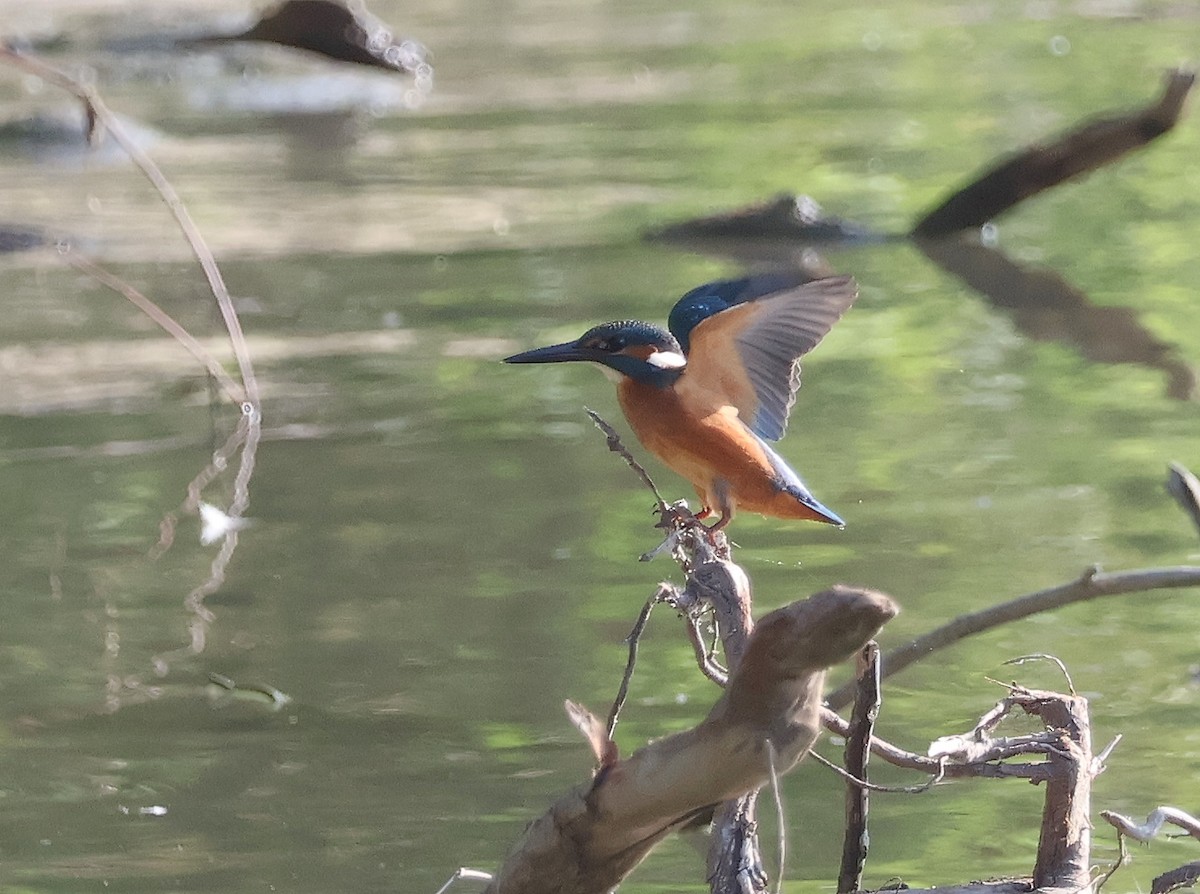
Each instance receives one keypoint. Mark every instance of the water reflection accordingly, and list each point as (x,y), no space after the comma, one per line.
(1045,307)
(445,553)
(1041,304)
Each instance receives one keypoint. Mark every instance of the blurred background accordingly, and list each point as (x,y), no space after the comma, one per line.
(443,548)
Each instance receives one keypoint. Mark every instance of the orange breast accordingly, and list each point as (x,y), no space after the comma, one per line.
(710,447)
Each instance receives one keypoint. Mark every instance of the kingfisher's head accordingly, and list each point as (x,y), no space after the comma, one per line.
(641,351)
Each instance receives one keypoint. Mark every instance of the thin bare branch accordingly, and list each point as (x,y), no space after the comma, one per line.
(857,754)
(1042,656)
(1102,757)
(705,653)
(780,819)
(886,789)
(99,116)
(1185,488)
(1092,584)
(1122,859)
(617,447)
(634,640)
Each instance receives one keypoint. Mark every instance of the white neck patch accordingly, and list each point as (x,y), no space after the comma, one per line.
(667,360)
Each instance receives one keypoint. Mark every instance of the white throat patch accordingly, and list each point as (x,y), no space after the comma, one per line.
(667,360)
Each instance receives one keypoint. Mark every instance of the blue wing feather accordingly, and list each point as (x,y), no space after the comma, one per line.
(711,298)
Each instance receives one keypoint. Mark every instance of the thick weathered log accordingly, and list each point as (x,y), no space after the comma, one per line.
(596,833)
(1065,841)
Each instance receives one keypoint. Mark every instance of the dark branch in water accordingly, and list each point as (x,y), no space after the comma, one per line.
(332,30)
(1041,167)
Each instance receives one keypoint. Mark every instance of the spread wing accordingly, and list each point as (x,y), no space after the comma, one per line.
(748,354)
(711,298)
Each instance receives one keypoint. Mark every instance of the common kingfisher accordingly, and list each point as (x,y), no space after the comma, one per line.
(706,395)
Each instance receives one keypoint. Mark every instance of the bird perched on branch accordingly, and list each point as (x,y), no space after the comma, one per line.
(707,396)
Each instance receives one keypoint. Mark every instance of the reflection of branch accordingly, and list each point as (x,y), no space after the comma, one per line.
(1092,584)
(246,437)
(1047,308)
(1040,167)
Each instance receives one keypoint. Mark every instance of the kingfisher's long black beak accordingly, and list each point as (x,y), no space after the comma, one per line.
(555,354)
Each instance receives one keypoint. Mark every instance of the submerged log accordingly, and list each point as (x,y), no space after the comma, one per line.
(795,218)
(767,719)
(330,29)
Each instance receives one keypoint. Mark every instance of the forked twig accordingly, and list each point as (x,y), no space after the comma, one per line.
(1042,656)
